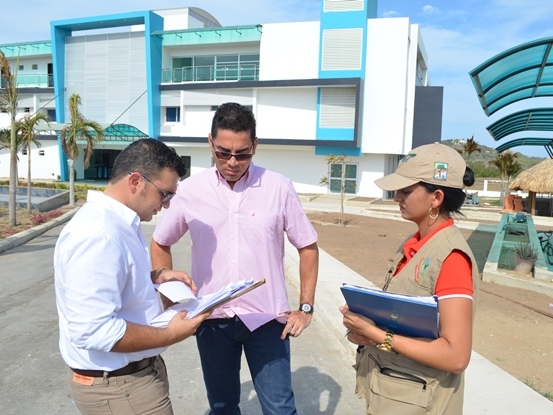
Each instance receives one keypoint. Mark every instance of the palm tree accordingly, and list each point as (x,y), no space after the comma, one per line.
(508,165)
(27,136)
(5,138)
(78,129)
(470,147)
(8,103)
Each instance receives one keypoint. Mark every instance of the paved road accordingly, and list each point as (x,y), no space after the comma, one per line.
(33,372)
(32,379)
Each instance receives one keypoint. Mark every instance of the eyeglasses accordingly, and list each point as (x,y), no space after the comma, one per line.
(165,196)
(225,155)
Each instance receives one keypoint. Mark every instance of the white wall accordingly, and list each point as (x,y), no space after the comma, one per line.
(370,168)
(297,163)
(287,113)
(385,105)
(289,51)
(46,167)
(108,71)
(42,167)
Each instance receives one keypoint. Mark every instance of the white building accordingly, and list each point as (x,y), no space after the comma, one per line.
(348,84)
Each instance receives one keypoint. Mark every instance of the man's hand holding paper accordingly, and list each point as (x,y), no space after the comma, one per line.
(185,299)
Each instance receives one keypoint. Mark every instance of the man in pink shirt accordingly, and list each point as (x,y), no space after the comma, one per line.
(237,214)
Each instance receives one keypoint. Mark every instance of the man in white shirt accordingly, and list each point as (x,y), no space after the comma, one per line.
(105,294)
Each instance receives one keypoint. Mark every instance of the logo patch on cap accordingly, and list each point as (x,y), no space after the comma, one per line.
(440,171)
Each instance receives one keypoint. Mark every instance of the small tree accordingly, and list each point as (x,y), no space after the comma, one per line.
(338,166)
(79,128)
(508,166)
(470,147)
(26,128)
(8,103)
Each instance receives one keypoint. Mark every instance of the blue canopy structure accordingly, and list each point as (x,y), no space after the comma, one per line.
(522,72)
(537,119)
(123,132)
(546,142)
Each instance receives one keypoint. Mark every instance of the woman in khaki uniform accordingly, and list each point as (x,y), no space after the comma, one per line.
(405,375)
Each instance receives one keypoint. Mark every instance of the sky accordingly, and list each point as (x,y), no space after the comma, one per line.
(458,36)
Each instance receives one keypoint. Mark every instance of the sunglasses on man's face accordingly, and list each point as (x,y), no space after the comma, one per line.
(165,196)
(225,155)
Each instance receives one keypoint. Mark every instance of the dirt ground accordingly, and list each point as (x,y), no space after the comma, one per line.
(513,327)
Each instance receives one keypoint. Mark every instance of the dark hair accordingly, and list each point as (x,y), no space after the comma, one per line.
(146,156)
(453,198)
(234,117)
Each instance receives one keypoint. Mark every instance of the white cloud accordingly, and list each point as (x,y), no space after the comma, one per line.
(390,13)
(428,10)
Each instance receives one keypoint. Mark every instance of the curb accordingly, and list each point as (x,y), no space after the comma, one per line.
(24,236)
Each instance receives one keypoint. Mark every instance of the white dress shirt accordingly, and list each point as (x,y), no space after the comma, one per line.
(102,277)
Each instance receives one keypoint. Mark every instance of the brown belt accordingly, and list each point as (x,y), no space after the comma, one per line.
(132,367)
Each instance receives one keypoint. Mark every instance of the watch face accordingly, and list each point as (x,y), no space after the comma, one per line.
(306,308)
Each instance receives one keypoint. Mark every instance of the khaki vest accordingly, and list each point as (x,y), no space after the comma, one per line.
(443,392)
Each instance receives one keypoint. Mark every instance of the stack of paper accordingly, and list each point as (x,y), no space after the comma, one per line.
(180,293)
(403,314)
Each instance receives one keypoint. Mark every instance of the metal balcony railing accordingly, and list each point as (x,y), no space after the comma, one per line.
(242,72)
(33,81)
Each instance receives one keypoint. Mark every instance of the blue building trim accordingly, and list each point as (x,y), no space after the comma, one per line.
(61,29)
(343,19)
(339,134)
(153,22)
(337,151)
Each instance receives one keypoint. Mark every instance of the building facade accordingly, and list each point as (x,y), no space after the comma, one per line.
(349,84)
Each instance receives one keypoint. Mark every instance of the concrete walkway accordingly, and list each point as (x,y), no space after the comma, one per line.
(322,358)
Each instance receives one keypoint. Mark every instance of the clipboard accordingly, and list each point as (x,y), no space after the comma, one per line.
(203,304)
(220,302)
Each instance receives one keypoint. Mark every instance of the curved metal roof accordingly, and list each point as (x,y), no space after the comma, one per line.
(536,119)
(546,142)
(123,132)
(522,72)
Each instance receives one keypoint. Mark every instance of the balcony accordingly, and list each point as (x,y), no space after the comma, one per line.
(33,81)
(242,72)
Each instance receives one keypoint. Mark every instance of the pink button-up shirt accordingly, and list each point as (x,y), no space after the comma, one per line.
(239,234)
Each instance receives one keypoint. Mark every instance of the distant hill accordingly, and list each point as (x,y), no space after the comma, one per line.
(480,161)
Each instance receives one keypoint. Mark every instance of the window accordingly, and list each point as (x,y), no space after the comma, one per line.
(21,67)
(172,114)
(337,108)
(187,163)
(350,178)
(213,68)
(27,109)
(24,152)
(40,152)
(35,66)
(203,68)
(51,114)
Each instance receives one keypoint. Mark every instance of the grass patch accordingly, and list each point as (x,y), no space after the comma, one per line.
(531,384)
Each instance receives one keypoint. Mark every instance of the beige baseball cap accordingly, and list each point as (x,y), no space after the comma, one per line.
(435,163)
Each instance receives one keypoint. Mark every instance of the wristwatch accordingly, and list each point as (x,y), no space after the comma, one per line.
(306,308)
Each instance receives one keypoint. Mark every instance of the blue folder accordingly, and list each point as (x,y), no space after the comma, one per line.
(403,314)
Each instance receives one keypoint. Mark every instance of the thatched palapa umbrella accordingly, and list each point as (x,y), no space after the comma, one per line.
(537,179)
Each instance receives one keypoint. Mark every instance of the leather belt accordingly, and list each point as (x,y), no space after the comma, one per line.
(132,367)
